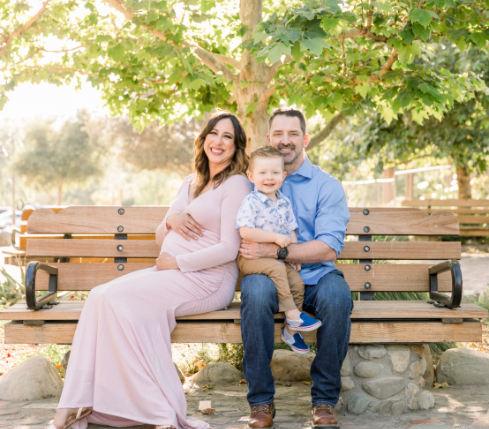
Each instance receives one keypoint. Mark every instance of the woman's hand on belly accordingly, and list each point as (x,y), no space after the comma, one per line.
(185,225)
(166,262)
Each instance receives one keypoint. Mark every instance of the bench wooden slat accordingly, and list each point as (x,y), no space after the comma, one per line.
(445,203)
(22,238)
(473,219)
(462,211)
(396,250)
(361,332)
(71,310)
(143,220)
(382,277)
(97,220)
(396,221)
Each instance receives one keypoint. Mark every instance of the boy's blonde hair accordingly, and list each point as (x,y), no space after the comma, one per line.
(265,152)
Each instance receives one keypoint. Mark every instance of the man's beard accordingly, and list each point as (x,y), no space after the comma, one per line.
(291,156)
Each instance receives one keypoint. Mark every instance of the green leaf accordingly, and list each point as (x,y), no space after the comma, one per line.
(275,53)
(427,88)
(197,83)
(420,31)
(296,52)
(479,39)
(117,52)
(407,53)
(422,16)
(385,7)
(315,46)
(362,89)
(102,38)
(261,37)
(329,24)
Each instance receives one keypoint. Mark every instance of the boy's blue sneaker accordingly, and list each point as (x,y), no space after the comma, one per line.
(295,342)
(305,324)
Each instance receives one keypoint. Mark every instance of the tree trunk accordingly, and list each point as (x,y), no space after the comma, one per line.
(463,181)
(60,191)
(252,100)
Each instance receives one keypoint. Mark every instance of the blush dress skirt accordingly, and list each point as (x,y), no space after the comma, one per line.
(121,362)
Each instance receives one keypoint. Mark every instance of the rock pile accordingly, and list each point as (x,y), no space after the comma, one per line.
(386,379)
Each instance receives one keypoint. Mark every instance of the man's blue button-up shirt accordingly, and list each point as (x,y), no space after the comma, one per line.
(320,208)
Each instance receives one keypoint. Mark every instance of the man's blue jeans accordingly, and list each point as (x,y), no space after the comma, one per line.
(330,301)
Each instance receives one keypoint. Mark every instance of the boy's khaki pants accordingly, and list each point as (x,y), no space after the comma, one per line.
(289,284)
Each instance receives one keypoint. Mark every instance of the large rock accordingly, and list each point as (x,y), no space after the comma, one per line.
(417,369)
(33,379)
(399,358)
(383,388)
(346,367)
(346,384)
(429,374)
(290,366)
(218,373)
(412,396)
(372,352)
(463,366)
(358,404)
(367,369)
(426,400)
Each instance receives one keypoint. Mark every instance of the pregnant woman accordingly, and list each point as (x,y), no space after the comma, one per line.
(121,371)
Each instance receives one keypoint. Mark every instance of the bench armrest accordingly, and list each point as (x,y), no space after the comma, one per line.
(15,232)
(457,283)
(30,285)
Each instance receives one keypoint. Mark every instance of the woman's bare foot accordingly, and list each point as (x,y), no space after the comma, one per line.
(62,415)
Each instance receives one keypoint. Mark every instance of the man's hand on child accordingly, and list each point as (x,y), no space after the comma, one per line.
(298,267)
(282,240)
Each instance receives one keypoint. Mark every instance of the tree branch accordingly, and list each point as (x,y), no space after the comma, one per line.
(362,32)
(208,59)
(272,70)
(229,61)
(25,27)
(325,132)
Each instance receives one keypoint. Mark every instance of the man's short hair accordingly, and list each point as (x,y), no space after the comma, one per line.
(291,113)
(265,152)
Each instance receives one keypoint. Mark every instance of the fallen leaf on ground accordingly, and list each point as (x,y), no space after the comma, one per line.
(443,385)
(425,421)
(308,383)
(243,381)
(208,411)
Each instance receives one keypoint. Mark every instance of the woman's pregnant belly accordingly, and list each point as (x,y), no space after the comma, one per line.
(174,244)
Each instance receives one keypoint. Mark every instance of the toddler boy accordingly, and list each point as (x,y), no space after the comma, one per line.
(266,216)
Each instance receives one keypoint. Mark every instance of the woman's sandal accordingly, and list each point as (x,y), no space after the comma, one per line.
(81,414)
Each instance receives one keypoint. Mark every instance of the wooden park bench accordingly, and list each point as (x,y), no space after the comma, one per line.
(126,243)
(473,215)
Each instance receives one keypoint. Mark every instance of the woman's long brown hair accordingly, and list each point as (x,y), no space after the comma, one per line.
(239,162)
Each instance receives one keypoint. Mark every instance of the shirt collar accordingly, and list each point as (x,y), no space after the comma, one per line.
(305,169)
(263,198)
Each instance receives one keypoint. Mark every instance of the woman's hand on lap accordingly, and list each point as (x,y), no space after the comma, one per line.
(185,225)
(166,262)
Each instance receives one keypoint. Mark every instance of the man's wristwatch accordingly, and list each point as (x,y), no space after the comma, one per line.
(282,252)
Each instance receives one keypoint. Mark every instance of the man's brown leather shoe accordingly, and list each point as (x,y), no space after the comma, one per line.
(261,417)
(324,416)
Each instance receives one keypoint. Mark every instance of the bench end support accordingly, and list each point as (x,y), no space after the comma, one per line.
(457,284)
(30,286)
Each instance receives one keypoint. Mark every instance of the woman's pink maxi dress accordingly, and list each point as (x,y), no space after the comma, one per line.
(121,362)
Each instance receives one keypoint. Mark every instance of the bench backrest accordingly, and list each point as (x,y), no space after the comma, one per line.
(119,240)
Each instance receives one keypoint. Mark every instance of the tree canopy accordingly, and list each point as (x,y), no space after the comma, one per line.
(51,157)
(168,59)
(461,136)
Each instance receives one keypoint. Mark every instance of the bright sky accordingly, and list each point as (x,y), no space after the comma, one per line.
(29,100)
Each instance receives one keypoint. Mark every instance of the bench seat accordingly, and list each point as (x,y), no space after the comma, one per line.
(372,321)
